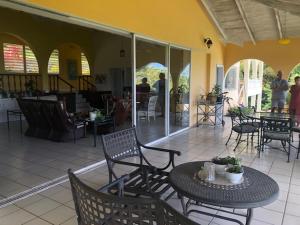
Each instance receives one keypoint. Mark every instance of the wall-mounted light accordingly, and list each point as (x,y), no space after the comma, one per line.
(208,42)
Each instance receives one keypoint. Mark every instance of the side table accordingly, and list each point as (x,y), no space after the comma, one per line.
(15,112)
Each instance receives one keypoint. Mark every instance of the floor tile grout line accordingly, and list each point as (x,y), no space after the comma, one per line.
(284,212)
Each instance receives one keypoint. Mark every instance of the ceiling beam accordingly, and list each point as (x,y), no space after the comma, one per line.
(214,19)
(278,22)
(240,8)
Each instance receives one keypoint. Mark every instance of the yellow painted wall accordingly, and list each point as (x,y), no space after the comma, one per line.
(181,22)
(279,57)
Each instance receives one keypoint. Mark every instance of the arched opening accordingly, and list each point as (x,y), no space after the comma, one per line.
(150,71)
(70,63)
(17,55)
(294,73)
(248,83)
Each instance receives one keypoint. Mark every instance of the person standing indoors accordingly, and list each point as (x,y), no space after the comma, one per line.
(279,87)
(295,97)
(160,87)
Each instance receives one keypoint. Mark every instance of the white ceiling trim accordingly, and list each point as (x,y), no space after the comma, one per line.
(240,8)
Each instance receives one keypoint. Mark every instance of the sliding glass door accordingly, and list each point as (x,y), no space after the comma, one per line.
(162,89)
(179,94)
(151,85)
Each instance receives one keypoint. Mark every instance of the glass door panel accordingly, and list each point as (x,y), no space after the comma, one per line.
(151,77)
(180,61)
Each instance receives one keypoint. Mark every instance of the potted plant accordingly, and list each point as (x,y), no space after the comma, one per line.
(234,174)
(215,95)
(99,115)
(222,163)
(30,87)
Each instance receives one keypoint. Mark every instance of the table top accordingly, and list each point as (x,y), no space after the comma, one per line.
(275,115)
(257,189)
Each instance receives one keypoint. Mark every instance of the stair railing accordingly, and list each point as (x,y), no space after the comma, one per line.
(15,82)
(54,83)
(85,83)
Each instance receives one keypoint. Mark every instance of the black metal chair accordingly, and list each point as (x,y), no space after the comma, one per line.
(241,125)
(279,129)
(146,179)
(98,208)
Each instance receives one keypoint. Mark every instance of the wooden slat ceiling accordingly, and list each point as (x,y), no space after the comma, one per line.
(255,20)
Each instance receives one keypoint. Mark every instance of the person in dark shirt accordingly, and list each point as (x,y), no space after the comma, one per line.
(160,87)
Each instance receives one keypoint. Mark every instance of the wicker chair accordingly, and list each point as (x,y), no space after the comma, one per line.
(99,208)
(276,129)
(241,126)
(146,179)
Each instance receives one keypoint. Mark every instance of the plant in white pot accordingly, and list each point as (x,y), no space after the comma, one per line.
(220,165)
(93,115)
(235,174)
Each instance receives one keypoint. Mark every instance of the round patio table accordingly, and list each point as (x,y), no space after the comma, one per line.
(256,190)
(258,115)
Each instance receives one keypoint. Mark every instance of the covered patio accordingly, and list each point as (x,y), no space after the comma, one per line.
(55,205)
(143,69)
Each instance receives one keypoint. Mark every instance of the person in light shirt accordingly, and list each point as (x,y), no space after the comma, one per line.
(279,88)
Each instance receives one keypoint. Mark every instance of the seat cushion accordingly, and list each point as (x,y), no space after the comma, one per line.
(276,135)
(255,124)
(245,128)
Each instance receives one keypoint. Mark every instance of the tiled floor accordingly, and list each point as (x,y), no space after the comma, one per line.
(55,205)
(26,162)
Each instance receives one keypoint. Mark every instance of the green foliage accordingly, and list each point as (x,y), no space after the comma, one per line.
(227,160)
(235,169)
(236,110)
(216,91)
(295,73)
(152,75)
(268,76)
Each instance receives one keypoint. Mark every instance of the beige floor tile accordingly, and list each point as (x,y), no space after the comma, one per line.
(17,218)
(59,215)
(28,201)
(8,210)
(291,220)
(268,216)
(293,198)
(62,196)
(278,206)
(295,189)
(293,209)
(72,221)
(43,206)
(37,221)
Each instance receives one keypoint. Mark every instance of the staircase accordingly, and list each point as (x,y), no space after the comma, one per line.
(81,104)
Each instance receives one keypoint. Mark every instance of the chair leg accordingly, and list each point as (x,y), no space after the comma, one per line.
(230,137)
(239,141)
(247,139)
(289,151)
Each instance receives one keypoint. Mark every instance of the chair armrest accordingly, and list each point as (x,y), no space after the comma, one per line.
(161,149)
(118,183)
(147,167)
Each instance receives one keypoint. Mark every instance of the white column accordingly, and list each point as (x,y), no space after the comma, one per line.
(260,77)
(254,75)
(246,63)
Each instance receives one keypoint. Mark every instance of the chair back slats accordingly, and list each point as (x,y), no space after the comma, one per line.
(97,208)
(276,124)
(121,145)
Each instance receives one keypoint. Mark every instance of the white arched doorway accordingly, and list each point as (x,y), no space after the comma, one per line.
(248,83)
